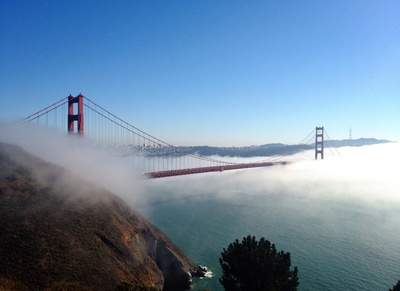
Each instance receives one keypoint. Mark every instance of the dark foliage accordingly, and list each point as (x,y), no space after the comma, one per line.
(129,286)
(68,286)
(7,284)
(396,287)
(253,265)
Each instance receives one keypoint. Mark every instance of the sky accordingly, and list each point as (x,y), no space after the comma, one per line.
(222,73)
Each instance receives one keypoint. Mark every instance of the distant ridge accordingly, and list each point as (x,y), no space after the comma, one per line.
(273,149)
(358,142)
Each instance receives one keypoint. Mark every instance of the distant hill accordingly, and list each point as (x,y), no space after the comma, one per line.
(357,142)
(274,148)
(57,229)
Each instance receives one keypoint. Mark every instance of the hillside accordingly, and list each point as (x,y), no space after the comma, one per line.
(57,228)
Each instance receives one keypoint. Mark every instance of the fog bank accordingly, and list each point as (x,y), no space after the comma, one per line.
(103,168)
(367,174)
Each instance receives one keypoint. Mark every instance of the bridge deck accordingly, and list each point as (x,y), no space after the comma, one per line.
(170,173)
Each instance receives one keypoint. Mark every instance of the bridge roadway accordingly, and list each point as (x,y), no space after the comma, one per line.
(180,172)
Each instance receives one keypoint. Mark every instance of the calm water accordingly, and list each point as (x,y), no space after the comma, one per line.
(336,245)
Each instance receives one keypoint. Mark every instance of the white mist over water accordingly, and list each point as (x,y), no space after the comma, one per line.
(339,217)
(368,174)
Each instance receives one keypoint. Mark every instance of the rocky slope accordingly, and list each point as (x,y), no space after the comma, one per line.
(57,228)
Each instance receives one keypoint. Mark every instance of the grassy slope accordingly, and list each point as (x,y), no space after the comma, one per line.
(55,227)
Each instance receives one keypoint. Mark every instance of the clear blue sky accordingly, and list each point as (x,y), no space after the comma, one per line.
(210,72)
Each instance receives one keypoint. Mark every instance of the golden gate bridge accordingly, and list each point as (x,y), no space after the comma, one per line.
(154,157)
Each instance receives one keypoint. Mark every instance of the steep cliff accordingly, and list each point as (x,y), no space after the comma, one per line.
(57,228)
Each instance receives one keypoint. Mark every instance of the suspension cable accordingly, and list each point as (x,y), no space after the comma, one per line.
(286,155)
(107,115)
(46,110)
(331,143)
(127,126)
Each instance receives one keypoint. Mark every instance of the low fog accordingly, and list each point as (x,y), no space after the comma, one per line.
(102,168)
(367,174)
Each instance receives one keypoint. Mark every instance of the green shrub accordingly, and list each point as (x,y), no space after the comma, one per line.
(256,266)
(129,286)
(68,286)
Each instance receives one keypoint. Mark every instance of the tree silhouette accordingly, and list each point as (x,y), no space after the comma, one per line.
(253,265)
(396,287)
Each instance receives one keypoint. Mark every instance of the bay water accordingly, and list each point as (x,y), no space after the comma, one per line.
(343,232)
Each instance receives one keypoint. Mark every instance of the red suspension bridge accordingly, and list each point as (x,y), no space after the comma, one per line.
(154,157)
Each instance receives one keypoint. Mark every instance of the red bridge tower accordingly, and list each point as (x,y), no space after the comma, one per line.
(319,142)
(75,117)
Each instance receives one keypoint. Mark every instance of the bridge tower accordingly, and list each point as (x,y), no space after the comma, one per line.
(75,117)
(319,142)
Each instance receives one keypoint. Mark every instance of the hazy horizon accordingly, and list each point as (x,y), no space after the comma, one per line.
(361,166)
